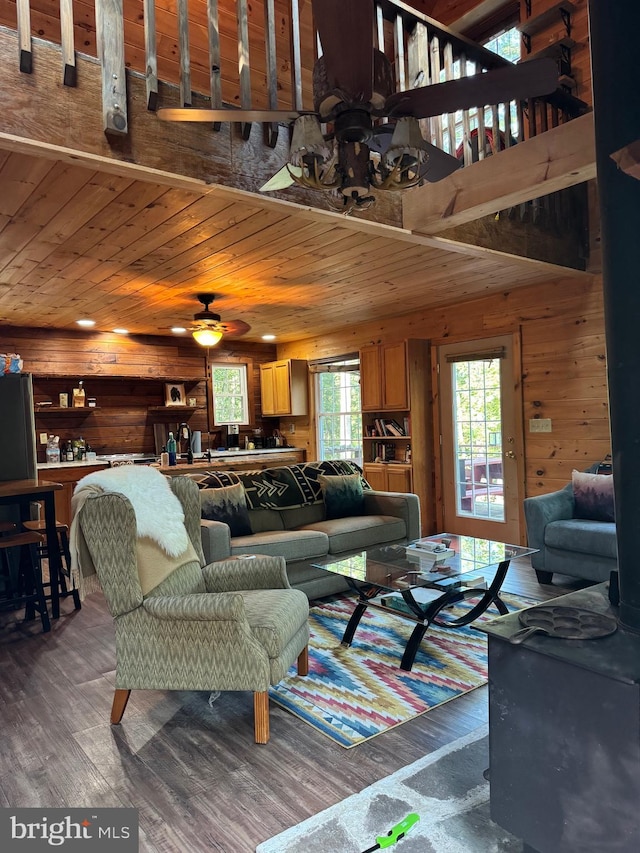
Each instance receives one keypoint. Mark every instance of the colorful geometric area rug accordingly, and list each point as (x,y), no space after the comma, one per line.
(446,790)
(355,693)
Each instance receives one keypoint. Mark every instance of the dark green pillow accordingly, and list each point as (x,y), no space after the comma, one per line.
(227,504)
(342,494)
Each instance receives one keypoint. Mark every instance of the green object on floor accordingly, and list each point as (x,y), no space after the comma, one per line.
(394,835)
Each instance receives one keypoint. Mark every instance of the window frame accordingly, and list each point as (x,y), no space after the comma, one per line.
(325,366)
(248,390)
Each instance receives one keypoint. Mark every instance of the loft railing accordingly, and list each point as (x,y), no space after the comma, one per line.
(262,55)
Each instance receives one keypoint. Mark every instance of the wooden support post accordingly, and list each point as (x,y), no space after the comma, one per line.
(110,39)
(261,716)
(151,57)
(69,75)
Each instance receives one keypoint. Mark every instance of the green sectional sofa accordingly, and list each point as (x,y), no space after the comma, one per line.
(287,515)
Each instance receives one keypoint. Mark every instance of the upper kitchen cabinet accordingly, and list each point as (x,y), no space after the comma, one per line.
(284,387)
(383,377)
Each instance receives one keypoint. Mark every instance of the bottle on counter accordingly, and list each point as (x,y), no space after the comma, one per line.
(172,449)
(68,452)
(53,449)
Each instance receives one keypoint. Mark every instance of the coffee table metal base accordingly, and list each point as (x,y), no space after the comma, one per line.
(426,615)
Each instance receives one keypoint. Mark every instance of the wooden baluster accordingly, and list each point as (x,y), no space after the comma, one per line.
(69,76)
(110,43)
(151,56)
(185,61)
(215,84)
(24,36)
(495,129)
(555,116)
(467,148)
(436,122)
(243,63)
(271,130)
(451,118)
(418,67)
(520,121)
(296,61)
(482,133)
(532,118)
(507,124)
(401,77)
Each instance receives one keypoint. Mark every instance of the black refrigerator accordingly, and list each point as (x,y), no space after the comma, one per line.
(17,428)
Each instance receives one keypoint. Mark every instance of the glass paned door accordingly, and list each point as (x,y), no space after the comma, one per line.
(480,438)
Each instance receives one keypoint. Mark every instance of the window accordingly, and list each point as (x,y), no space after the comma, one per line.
(339,409)
(230,397)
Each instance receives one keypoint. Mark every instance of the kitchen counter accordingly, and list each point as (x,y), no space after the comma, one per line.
(56,466)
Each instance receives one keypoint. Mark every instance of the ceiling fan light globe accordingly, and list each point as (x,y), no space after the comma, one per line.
(206,337)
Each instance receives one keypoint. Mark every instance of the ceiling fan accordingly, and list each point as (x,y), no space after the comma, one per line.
(353,94)
(209,329)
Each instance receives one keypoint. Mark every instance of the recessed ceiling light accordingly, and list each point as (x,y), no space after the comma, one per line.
(178,330)
(268,337)
(121,331)
(86,322)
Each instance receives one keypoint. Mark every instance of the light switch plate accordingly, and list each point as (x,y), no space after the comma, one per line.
(540,425)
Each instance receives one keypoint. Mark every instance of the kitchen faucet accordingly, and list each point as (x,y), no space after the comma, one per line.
(184,431)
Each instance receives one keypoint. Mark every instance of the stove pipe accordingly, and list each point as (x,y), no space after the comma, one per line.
(616,83)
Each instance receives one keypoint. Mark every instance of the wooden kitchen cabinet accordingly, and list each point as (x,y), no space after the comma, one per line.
(69,476)
(284,387)
(383,377)
(388,476)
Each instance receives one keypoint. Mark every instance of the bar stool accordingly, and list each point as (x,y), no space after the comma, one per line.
(25,586)
(62,531)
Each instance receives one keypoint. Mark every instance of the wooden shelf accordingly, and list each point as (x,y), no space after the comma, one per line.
(385,437)
(173,409)
(536,23)
(67,410)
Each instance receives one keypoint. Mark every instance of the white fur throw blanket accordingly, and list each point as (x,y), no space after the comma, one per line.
(159,514)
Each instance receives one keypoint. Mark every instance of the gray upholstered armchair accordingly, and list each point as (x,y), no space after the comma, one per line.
(231,625)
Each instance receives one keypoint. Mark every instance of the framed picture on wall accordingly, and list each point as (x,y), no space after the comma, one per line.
(174,394)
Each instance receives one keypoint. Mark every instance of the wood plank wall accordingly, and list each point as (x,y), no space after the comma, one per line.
(563,366)
(127,376)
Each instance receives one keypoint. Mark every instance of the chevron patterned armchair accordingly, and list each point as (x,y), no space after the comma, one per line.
(231,625)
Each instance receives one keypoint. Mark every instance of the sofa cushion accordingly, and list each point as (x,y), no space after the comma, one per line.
(342,494)
(227,504)
(593,496)
(302,515)
(265,519)
(361,531)
(292,545)
(583,536)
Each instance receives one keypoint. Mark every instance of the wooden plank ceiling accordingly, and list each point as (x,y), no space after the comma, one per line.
(75,243)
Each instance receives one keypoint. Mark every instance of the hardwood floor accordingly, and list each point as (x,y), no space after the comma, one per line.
(191,769)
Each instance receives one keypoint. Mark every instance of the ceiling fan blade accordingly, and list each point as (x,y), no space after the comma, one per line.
(188,114)
(527,80)
(346,35)
(282,178)
(439,165)
(234,328)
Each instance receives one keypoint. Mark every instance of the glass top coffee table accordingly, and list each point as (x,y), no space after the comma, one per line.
(418,579)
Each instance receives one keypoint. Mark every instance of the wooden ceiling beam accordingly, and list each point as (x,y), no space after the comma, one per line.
(552,161)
